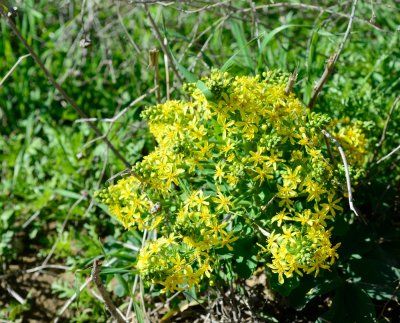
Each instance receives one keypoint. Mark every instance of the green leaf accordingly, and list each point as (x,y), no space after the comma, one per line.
(270,35)
(350,304)
(245,251)
(238,33)
(287,287)
(68,194)
(189,76)
(138,312)
(122,288)
(311,287)
(206,91)
(110,271)
(375,277)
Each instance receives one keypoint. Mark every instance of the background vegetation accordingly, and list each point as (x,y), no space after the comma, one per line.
(51,228)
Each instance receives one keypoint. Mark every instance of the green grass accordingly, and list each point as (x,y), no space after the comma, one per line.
(51,163)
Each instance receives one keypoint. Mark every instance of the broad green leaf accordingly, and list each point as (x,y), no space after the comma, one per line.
(350,304)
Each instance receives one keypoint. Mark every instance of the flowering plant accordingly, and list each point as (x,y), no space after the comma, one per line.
(242,159)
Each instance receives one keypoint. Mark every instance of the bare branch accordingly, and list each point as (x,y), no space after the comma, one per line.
(312,8)
(153,63)
(64,94)
(332,60)
(291,81)
(160,40)
(122,112)
(346,169)
(121,21)
(388,155)
(394,105)
(104,294)
(13,68)
(14,294)
(31,219)
(73,297)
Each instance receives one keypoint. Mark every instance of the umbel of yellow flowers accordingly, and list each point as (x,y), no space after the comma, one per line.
(240,155)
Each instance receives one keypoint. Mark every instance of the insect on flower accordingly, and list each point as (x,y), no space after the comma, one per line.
(156,208)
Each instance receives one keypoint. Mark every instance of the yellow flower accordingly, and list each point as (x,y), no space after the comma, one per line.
(280,217)
(274,158)
(332,205)
(257,156)
(292,178)
(219,172)
(223,202)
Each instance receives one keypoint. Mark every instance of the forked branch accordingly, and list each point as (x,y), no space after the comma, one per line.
(332,60)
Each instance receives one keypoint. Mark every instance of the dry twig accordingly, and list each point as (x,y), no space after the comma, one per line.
(104,294)
(388,155)
(394,105)
(13,68)
(153,63)
(74,297)
(346,169)
(163,47)
(332,60)
(292,80)
(64,94)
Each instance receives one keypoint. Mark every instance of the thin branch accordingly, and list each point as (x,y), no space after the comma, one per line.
(163,47)
(77,202)
(332,60)
(388,155)
(121,21)
(13,68)
(292,79)
(104,294)
(346,169)
(166,63)
(73,297)
(61,267)
(14,294)
(312,8)
(394,105)
(122,112)
(31,219)
(167,301)
(33,270)
(52,80)
(381,315)
(153,63)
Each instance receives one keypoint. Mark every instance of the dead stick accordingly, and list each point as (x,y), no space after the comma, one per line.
(13,68)
(346,169)
(153,63)
(291,81)
(388,155)
(60,89)
(332,60)
(160,40)
(387,121)
(104,294)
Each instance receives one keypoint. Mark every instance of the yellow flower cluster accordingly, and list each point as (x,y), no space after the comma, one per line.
(241,153)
